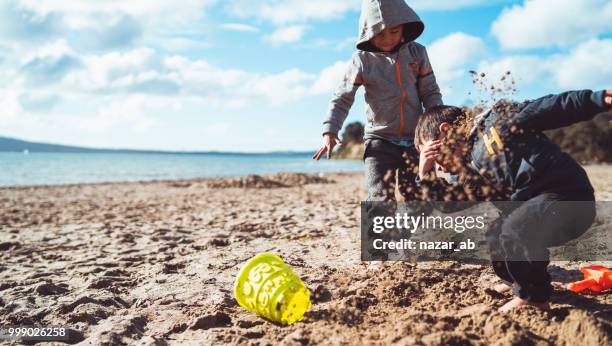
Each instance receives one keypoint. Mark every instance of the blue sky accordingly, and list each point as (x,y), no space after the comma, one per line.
(238,75)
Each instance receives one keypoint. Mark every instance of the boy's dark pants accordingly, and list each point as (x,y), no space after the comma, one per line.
(519,241)
(383,162)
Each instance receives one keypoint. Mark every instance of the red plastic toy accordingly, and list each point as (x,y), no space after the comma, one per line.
(597,279)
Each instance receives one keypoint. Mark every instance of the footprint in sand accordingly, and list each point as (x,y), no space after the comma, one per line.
(116,273)
(219,242)
(9,245)
(321,295)
(105,301)
(119,330)
(216,320)
(47,289)
(88,313)
(253,335)
(113,284)
(247,324)
(173,268)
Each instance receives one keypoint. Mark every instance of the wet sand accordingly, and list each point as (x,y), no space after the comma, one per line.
(153,263)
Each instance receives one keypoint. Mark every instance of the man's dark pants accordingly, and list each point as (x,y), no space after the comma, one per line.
(519,241)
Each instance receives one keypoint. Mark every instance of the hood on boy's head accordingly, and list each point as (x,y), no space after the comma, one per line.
(377,15)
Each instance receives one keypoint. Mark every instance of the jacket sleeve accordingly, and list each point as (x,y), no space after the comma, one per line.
(344,96)
(554,111)
(429,91)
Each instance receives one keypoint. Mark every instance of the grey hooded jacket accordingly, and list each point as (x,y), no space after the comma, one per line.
(397,84)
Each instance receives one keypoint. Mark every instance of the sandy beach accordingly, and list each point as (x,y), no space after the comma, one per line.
(153,263)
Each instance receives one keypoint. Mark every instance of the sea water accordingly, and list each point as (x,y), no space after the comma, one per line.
(21,169)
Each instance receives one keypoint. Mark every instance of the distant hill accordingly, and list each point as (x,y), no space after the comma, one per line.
(587,142)
(19,146)
(16,145)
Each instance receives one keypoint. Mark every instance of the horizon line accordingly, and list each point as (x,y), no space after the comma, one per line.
(66,148)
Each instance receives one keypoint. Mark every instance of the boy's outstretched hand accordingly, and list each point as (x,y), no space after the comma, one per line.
(329,142)
(430,152)
(608,99)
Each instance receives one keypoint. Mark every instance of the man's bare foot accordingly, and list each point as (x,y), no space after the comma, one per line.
(502,288)
(518,302)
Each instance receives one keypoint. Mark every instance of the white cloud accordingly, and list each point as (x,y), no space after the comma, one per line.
(217,129)
(329,78)
(132,112)
(290,34)
(348,42)
(104,72)
(48,64)
(107,106)
(171,9)
(15,120)
(290,11)
(285,87)
(38,102)
(143,71)
(525,69)
(110,31)
(548,23)
(53,49)
(452,55)
(22,23)
(11,107)
(101,25)
(239,27)
(586,66)
(126,79)
(179,44)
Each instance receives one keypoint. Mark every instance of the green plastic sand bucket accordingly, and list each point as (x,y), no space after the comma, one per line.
(268,287)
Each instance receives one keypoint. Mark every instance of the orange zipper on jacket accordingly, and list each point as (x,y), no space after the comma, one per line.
(398,74)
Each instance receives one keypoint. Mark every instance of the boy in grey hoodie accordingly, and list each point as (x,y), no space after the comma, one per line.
(398,81)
